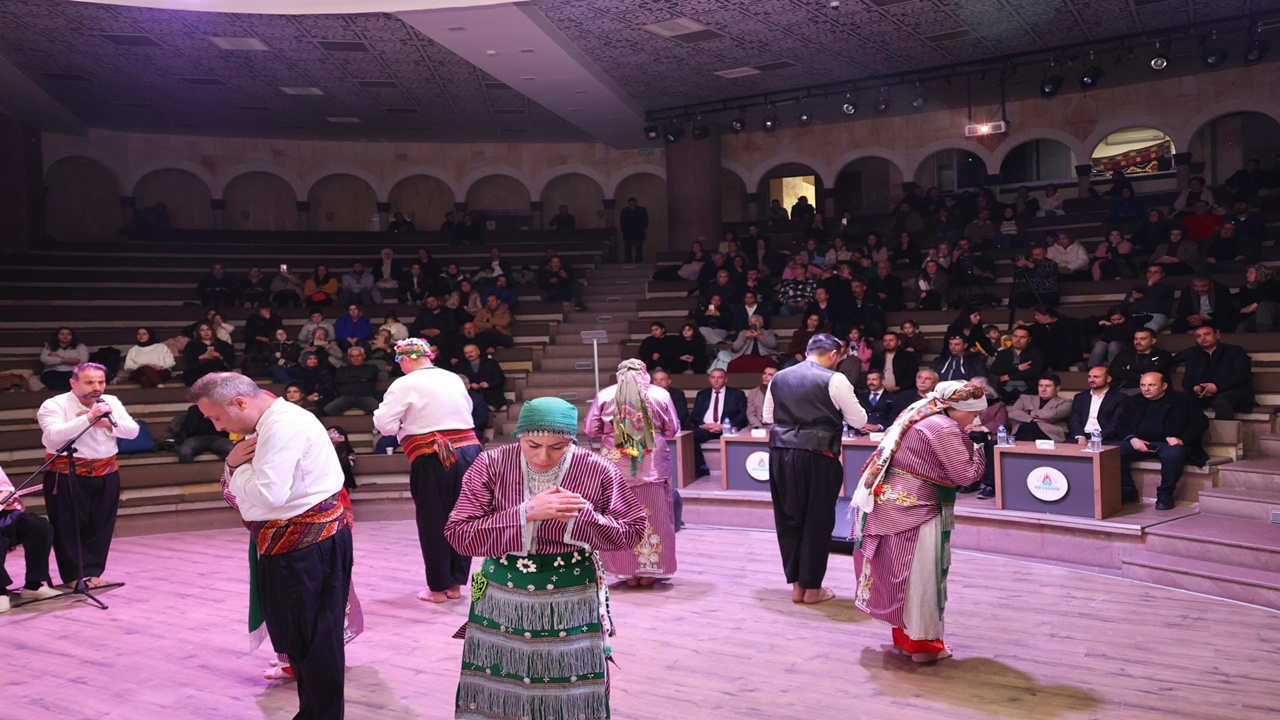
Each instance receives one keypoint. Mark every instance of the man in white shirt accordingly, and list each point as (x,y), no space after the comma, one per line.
(83,509)
(806,404)
(290,496)
(1099,409)
(429,410)
(1072,258)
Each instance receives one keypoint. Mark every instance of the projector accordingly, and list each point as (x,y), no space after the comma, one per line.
(996,127)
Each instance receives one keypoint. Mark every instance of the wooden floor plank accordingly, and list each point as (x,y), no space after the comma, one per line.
(723,641)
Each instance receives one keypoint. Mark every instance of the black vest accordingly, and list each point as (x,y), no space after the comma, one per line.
(803,415)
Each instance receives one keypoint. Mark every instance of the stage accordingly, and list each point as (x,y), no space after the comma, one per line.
(723,641)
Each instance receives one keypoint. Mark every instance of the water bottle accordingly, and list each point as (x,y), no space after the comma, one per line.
(1095,441)
(727,427)
(844,430)
(1002,436)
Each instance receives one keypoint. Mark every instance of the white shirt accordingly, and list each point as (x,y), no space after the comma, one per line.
(62,417)
(889,379)
(710,417)
(155,355)
(1095,403)
(426,400)
(842,396)
(1205,308)
(294,466)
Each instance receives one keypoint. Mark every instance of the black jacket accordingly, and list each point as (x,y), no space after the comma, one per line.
(735,407)
(1183,419)
(1108,415)
(882,412)
(488,372)
(1230,368)
(1129,366)
(682,406)
(1003,365)
(905,366)
(1224,308)
(970,366)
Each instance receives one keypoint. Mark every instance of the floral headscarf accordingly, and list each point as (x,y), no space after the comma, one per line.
(632,426)
(1262,273)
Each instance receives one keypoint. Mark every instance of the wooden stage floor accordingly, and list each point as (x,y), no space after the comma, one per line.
(724,641)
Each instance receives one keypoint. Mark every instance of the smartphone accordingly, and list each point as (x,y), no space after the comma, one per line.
(284,268)
(844,221)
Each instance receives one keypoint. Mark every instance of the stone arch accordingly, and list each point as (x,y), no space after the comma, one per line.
(201,172)
(384,191)
(768,167)
(1224,143)
(422,198)
(1011,142)
(1119,154)
(1037,160)
(483,173)
(611,187)
(260,200)
(82,200)
(299,188)
(498,191)
(733,196)
(374,183)
(1101,132)
(788,168)
(927,174)
(867,183)
(341,202)
(650,190)
(186,197)
(537,189)
(583,194)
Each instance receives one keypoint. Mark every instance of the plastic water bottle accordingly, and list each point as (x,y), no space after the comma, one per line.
(1002,436)
(727,428)
(1095,441)
(844,430)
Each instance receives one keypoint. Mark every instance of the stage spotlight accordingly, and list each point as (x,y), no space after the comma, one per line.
(701,130)
(738,124)
(652,132)
(1256,51)
(1091,77)
(804,117)
(1214,57)
(849,107)
(919,101)
(770,122)
(673,133)
(882,105)
(1050,86)
(1159,62)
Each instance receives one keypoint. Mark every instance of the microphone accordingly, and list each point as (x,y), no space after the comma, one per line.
(108,415)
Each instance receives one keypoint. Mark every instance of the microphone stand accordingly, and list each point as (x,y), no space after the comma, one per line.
(81,587)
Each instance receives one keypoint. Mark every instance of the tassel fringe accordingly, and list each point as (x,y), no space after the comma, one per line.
(540,611)
(484,697)
(549,657)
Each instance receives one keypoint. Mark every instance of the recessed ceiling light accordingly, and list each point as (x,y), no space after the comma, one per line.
(528,77)
(239,43)
(302,91)
(343,119)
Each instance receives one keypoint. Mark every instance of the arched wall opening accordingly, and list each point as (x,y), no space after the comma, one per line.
(1135,151)
(866,186)
(341,203)
(259,201)
(1037,161)
(82,201)
(951,170)
(649,191)
(423,199)
(1226,143)
(185,196)
(582,196)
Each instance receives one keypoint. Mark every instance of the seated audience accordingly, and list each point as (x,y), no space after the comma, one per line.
(1247,181)
(1151,302)
(282,355)
(61,353)
(558,284)
(321,288)
(1098,409)
(200,436)
(1041,415)
(1250,227)
(1071,257)
(150,362)
(1140,357)
(563,222)
(1177,255)
(286,290)
(657,350)
(934,285)
(714,321)
(35,535)
(958,362)
(1201,224)
(206,354)
(877,401)
(912,339)
(315,319)
(501,287)
(888,288)
(896,365)
(493,325)
(399,224)
(1009,231)
(1040,273)
(393,325)
(755,399)
(323,344)
(1218,375)
(750,304)
(387,276)
(254,288)
(357,286)
(1115,333)
(857,359)
(1018,368)
(355,384)
(433,322)
(662,379)
(1195,194)
(710,408)
(1205,301)
(1050,203)
(1259,301)
(1227,252)
(861,311)
(1060,337)
(925,381)
(381,353)
(415,286)
(1165,425)
(352,328)
(464,301)
(813,324)
(260,329)
(754,348)
(905,254)
(982,430)
(1126,207)
(315,376)
(1113,260)
(224,330)
(690,354)
(217,289)
(1153,231)
(484,377)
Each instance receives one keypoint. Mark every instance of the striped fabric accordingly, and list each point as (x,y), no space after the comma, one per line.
(276,537)
(85,467)
(443,442)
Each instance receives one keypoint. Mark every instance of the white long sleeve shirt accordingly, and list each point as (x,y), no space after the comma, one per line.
(62,417)
(155,355)
(294,466)
(426,400)
(842,396)
(1073,257)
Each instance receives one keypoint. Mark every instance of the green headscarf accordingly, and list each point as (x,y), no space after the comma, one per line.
(547,416)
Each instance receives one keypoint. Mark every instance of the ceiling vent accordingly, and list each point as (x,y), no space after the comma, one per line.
(124,40)
(342,46)
(239,43)
(302,91)
(343,119)
(737,72)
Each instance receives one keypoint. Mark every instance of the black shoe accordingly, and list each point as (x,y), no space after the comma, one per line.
(986,493)
(1164,503)
(1128,498)
(701,473)
(968,489)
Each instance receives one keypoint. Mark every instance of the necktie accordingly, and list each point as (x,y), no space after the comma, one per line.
(715,408)
(875,398)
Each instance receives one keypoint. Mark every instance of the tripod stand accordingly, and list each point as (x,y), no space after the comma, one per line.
(1021,284)
(81,586)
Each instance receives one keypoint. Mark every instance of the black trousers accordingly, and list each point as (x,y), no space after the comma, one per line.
(435,491)
(304,603)
(804,485)
(94,502)
(1173,460)
(35,535)
(633,249)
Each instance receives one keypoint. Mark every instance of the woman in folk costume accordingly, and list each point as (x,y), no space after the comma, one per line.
(904,515)
(537,511)
(634,420)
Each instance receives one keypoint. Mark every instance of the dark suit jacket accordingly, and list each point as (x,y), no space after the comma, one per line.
(397,272)
(490,372)
(1108,415)
(735,407)
(682,406)
(1231,370)
(905,366)
(1003,365)
(903,400)
(740,319)
(1224,309)
(882,412)
(1183,419)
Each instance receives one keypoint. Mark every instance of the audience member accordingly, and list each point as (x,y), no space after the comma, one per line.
(352,328)
(1248,181)
(968,325)
(433,322)
(863,310)
(1071,257)
(1227,253)
(755,399)
(150,362)
(1050,203)
(896,365)
(393,325)
(286,289)
(387,276)
(1151,302)
(657,350)
(1040,274)
(912,339)
(1195,194)
(751,304)
(1113,260)
(35,535)
(982,431)
(857,358)
(381,353)
(754,348)
(1116,332)
(206,354)
(493,325)
(1177,255)
(777,213)
(877,401)
(61,352)
(501,287)
(981,232)
(321,288)
(795,353)
(710,409)
(323,344)
(400,224)
(200,436)
(1060,338)
(558,283)
(1043,415)
(1205,301)
(802,212)
(1201,224)
(1218,375)
(926,380)
(1099,409)
(1165,425)
(1017,369)
(259,329)
(888,288)
(958,362)
(905,254)
(1009,231)
(690,352)
(217,288)
(254,288)
(416,286)
(493,269)
(315,319)
(224,330)
(934,285)
(633,221)
(1138,359)
(449,228)
(970,267)
(357,286)
(563,222)
(485,378)
(463,302)
(1151,233)
(1126,207)
(1259,301)
(1250,227)
(282,355)
(355,383)
(469,231)
(315,376)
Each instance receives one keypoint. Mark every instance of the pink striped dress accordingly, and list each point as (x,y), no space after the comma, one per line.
(655,555)
(902,564)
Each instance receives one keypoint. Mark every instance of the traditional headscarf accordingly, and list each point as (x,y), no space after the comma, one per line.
(1263,274)
(632,426)
(151,337)
(547,416)
(414,348)
(958,394)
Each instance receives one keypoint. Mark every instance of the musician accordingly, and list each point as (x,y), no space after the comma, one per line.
(35,535)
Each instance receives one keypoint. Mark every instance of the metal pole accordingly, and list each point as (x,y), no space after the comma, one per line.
(595,364)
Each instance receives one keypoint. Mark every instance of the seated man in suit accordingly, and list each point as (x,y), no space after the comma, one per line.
(1164,425)
(1042,416)
(1219,376)
(1098,409)
(1204,302)
(877,401)
(662,379)
(710,408)
(755,399)
(926,380)
(959,362)
(897,366)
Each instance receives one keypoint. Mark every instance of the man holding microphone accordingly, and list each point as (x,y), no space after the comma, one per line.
(83,508)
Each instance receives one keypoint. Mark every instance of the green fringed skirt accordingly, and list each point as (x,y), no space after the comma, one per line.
(536,641)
